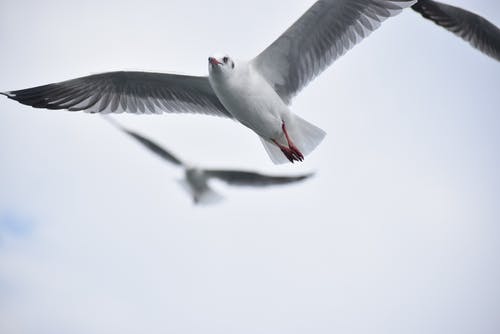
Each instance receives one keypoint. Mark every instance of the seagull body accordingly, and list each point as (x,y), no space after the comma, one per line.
(196,179)
(250,99)
(258,93)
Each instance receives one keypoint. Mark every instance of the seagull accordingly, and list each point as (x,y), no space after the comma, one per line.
(256,92)
(479,32)
(196,179)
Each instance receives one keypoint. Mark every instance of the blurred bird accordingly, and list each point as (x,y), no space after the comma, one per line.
(196,179)
(479,32)
(257,93)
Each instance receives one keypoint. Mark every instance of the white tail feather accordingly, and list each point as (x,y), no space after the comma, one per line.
(206,196)
(277,157)
(303,134)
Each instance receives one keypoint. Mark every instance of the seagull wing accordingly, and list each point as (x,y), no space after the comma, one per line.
(155,148)
(148,143)
(320,36)
(245,178)
(133,92)
(479,32)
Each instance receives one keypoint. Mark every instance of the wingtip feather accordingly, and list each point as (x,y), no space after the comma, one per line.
(8,94)
(308,175)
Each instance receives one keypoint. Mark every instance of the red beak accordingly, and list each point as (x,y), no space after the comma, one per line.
(213,61)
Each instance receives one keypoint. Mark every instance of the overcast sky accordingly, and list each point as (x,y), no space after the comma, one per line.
(397,233)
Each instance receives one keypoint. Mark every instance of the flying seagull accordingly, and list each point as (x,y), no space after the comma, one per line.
(196,179)
(257,92)
(479,32)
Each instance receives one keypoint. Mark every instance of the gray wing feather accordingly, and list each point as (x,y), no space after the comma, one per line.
(245,178)
(154,147)
(479,32)
(133,92)
(148,143)
(320,36)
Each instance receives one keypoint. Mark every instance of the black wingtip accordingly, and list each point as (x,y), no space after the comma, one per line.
(417,4)
(306,176)
(113,122)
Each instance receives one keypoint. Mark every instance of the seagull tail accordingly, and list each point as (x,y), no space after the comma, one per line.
(304,135)
(206,196)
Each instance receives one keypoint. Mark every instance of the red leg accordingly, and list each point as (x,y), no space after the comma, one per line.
(291,145)
(291,152)
(286,151)
(283,127)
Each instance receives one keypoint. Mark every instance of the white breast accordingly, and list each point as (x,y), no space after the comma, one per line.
(250,99)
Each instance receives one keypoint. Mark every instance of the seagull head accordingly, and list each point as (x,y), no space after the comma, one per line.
(220,64)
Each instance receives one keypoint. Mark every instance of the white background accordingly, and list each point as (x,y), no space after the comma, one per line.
(397,233)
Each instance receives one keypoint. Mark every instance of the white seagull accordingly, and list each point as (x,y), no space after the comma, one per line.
(257,93)
(196,179)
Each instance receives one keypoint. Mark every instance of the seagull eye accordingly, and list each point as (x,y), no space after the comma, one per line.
(225,59)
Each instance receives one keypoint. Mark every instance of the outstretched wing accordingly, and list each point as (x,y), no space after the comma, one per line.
(320,36)
(148,143)
(479,32)
(133,92)
(244,178)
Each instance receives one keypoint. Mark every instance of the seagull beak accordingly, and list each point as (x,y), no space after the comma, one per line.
(213,61)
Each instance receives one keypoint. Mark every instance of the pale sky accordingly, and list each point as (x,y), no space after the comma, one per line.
(397,233)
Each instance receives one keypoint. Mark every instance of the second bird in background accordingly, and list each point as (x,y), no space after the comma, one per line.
(196,180)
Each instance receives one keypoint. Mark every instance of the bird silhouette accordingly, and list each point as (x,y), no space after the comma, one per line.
(196,179)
